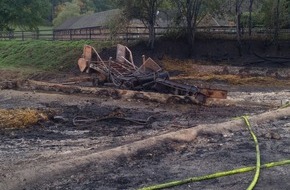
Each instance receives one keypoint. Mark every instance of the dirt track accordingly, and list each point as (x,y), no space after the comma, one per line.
(66,153)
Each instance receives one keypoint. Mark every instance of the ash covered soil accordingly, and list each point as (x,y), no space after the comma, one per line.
(90,142)
(66,151)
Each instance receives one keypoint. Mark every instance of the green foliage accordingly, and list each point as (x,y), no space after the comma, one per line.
(270,17)
(133,8)
(85,6)
(175,34)
(103,5)
(257,19)
(144,10)
(69,10)
(190,11)
(116,25)
(22,13)
(42,55)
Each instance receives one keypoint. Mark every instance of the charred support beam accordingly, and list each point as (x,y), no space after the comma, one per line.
(111,92)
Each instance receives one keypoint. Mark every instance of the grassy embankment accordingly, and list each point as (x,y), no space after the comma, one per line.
(38,56)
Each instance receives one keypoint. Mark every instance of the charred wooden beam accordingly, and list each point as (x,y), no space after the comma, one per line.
(110,92)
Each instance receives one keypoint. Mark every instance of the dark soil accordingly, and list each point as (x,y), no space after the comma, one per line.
(160,163)
(212,51)
(172,161)
(85,125)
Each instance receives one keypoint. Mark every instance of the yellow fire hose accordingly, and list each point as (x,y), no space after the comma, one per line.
(215,175)
(286,105)
(258,155)
(231,172)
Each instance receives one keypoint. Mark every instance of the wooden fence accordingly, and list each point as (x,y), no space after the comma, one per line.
(27,35)
(129,34)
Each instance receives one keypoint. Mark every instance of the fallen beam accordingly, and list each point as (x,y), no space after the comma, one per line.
(135,95)
(109,92)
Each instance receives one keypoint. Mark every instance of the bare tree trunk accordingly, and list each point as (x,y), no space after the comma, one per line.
(190,9)
(152,6)
(250,22)
(196,12)
(277,22)
(151,41)
(190,34)
(238,25)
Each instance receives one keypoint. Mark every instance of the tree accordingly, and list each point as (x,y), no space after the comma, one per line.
(191,11)
(150,11)
(117,25)
(250,22)
(277,19)
(103,5)
(67,10)
(238,11)
(275,15)
(146,11)
(64,9)
(83,5)
(54,4)
(22,13)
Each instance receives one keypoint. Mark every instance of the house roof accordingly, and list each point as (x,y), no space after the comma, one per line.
(210,20)
(89,21)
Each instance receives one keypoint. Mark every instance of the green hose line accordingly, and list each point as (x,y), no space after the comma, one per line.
(286,105)
(231,172)
(215,175)
(258,155)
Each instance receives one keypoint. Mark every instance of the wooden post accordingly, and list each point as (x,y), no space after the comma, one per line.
(53,35)
(70,34)
(37,34)
(127,38)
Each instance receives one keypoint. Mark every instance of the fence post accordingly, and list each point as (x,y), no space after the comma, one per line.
(37,34)
(53,35)
(90,33)
(70,34)
(127,31)
(22,35)
(10,35)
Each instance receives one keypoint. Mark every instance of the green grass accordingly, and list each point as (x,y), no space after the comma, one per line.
(37,55)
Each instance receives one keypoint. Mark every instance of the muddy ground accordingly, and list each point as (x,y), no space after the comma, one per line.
(79,146)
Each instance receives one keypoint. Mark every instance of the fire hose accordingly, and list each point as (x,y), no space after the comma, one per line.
(231,172)
(258,154)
